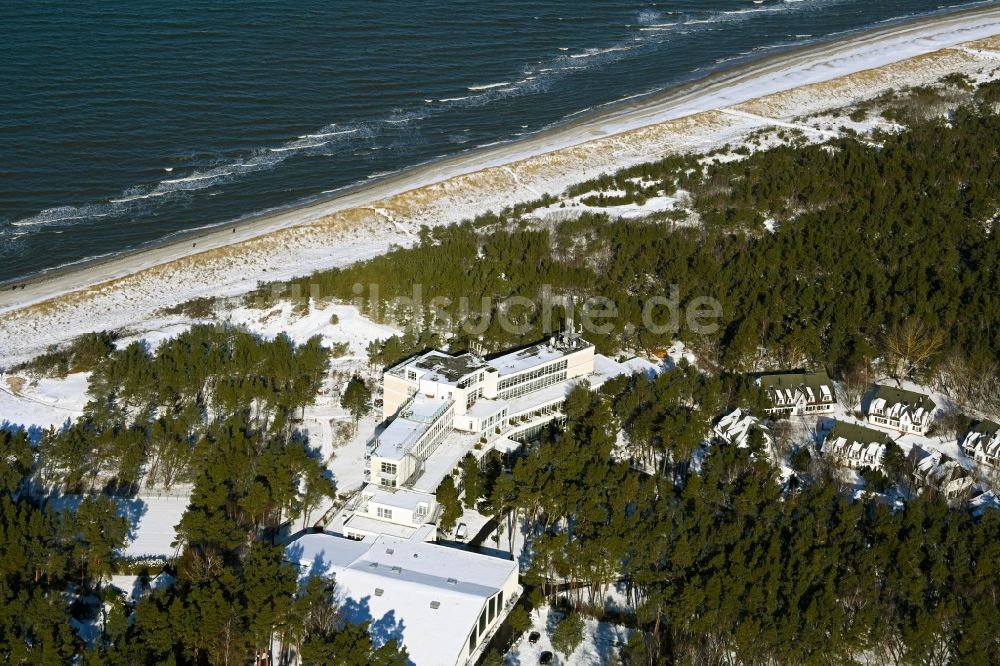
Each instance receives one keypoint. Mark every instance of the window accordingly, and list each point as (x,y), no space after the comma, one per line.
(523,388)
(532,374)
(493,608)
(482,622)
(388,483)
(388,468)
(500,601)
(385,513)
(472,640)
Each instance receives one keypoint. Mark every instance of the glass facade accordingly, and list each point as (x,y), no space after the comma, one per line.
(532,386)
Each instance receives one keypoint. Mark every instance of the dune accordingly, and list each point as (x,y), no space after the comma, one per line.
(366,220)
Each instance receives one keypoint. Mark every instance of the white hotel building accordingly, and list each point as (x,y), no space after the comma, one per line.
(492,402)
(447,602)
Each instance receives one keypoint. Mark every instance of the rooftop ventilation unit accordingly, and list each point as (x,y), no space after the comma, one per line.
(379,591)
(435,605)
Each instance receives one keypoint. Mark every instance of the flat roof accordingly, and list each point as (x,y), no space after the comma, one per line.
(423,408)
(604,369)
(372,525)
(444,367)
(535,355)
(427,594)
(414,419)
(549,394)
(401,498)
(485,407)
(454,447)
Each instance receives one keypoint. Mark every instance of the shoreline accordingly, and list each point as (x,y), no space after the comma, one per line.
(647,108)
(568,123)
(364,219)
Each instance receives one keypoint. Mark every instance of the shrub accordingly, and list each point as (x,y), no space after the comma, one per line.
(520,619)
(568,634)
(800,459)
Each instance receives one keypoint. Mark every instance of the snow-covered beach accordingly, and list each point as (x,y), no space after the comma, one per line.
(128,291)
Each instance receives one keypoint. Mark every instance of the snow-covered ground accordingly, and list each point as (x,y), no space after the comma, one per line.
(154,519)
(45,402)
(574,206)
(600,645)
(351,326)
(365,222)
(946,444)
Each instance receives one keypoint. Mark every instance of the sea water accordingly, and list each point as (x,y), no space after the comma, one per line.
(122,124)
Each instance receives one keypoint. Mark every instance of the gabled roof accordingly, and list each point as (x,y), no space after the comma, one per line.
(987,427)
(936,467)
(985,502)
(896,396)
(983,438)
(852,432)
(736,426)
(807,382)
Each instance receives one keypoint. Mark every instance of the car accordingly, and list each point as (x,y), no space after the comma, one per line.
(546,658)
(461,531)
(533,637)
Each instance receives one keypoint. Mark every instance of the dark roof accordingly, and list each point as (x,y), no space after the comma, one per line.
(987,427)
(791,380)
(853,432)
(451,368)
(896,396)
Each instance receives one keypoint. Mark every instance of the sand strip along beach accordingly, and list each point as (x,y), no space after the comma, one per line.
(365,220)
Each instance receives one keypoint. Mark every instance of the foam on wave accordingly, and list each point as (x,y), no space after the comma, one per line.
(653,29)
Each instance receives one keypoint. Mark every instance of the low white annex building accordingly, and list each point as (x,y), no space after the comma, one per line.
(798,393)
(900,410)
(441,602)
(398,512)
(854,446)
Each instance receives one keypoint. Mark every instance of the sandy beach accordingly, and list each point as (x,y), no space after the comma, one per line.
(365,220)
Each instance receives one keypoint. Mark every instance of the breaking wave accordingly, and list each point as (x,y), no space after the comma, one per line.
(652,29)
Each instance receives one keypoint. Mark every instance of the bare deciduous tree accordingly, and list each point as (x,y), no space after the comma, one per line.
(970,384)
(853,388)
(908,347)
